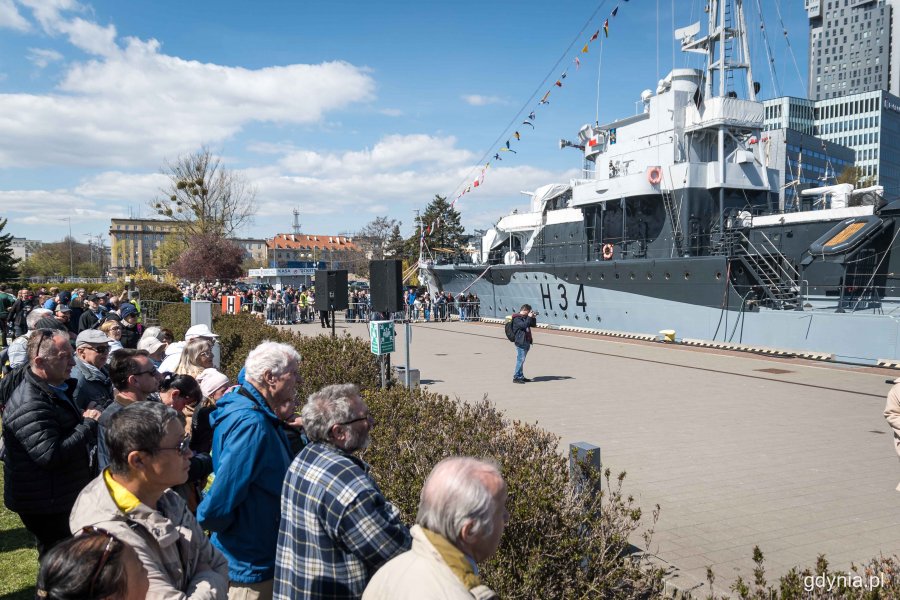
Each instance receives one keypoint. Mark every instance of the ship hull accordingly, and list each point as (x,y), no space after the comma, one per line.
(690,296)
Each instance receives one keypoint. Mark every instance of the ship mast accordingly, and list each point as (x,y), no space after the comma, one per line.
(727,28)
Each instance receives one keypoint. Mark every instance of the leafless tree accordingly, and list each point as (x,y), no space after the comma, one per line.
(204,196)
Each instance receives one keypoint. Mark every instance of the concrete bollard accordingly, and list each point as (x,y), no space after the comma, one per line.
(584,456)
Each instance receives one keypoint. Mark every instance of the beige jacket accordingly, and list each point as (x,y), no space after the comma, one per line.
(892,413)
(422,573)
(180,560)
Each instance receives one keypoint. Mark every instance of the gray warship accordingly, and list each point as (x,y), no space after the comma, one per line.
(677,224)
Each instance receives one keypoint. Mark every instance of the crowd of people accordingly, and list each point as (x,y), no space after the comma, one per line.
(292,305)
(144,472)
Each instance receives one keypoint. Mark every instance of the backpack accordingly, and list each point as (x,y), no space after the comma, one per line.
(508,329)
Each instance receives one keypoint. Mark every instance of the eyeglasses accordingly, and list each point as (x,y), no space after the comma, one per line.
(152,371)
(98,349)
(116,328)
(183,447)
(104,558)
(366,417)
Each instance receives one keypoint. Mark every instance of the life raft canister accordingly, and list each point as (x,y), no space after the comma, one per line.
(607,251)
(654,175)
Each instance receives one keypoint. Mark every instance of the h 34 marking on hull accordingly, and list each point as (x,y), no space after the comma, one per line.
(563,297)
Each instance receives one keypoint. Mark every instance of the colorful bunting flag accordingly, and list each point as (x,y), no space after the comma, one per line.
(594,141)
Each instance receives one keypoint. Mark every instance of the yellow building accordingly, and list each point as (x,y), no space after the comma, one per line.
(133,243)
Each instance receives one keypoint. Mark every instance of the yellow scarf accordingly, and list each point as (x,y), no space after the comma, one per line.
(458,562)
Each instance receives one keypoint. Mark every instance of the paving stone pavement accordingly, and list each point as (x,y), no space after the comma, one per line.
(799,463)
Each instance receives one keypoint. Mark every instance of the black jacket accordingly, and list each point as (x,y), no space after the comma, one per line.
(521,325)
(93,386)
(50,449)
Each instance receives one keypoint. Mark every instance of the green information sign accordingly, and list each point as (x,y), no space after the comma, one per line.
(382,335)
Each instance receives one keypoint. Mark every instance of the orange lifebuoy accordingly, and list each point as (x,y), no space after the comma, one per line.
(607,251)
(654,175)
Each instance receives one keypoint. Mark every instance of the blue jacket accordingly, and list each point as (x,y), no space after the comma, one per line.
(251,455)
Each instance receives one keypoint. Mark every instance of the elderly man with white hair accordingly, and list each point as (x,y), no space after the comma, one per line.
(462,515)
(337,529)
(18,355)
(251,453)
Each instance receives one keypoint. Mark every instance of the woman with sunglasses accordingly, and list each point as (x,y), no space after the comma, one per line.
(113,331)
(179,392)
(94,565)
(132,499)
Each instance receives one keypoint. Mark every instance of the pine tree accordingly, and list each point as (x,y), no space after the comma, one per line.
(445,234)
(8,270)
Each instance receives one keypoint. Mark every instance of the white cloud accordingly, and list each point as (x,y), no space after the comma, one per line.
(41,57)
(10,18)
(123,187)
(391,112)
(131,105)
(32,207)
(477,100)
(137,106)
(397,174)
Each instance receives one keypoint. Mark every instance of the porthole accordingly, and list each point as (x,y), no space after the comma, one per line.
(718,275)
(577,277)
(617,275)
(565,316)
(631,276)
(589,276)
(687,274)
(602,276)
(576,317)
(649,275)
(668,276)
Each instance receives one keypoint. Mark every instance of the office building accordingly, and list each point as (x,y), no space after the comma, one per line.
(853,47)
(868,123)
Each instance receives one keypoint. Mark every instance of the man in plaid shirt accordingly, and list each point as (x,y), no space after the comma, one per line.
(336,527)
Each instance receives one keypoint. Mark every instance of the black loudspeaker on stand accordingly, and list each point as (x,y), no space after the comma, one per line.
(386,285)
(331,290)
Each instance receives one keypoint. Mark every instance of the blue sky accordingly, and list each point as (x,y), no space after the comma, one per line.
(346,110)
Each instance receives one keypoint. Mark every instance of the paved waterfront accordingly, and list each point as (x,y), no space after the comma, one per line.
(799,463)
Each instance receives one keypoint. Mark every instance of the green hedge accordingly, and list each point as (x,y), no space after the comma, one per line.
(150,290)
(162,292)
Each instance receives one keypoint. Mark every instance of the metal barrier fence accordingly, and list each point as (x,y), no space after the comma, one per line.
(458,311)
(150,311)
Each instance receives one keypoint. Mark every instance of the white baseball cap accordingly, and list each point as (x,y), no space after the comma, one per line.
(201,330)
